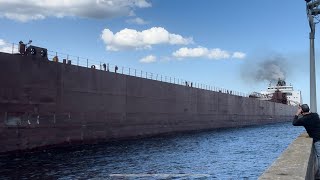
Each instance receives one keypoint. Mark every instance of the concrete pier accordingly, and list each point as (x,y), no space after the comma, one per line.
(298,161)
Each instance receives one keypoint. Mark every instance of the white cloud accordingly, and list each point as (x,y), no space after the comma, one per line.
(148,59)
(142,3)
(191,52)
(133,39)
(137,20)
(7,47)
(202,52)
(239,55)
(218,54)
(2,42)
(178,39)
(39,9)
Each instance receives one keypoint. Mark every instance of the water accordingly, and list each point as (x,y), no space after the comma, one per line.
(242,153)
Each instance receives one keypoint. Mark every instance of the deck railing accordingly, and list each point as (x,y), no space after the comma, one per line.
(104,65)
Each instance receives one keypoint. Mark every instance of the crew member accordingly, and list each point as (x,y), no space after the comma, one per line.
(115,69)
(311,123)
(104,66)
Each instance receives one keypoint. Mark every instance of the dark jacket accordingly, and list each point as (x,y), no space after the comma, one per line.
(311,123)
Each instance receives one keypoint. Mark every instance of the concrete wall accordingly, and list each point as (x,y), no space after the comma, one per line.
(297,162)
(44,103)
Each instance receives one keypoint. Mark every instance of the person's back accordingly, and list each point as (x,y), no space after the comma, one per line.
(311,123)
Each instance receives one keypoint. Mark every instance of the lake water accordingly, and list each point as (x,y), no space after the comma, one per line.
(241,153)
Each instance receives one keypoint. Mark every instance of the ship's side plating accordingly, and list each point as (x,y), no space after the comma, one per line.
(44,103)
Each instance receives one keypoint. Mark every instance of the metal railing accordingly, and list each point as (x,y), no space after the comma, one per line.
(105,66)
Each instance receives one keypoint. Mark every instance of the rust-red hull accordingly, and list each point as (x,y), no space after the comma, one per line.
(44,103)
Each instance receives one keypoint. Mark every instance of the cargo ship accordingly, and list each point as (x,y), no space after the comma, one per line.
(45,103)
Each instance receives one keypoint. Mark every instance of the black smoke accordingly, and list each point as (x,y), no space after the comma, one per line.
(268,69)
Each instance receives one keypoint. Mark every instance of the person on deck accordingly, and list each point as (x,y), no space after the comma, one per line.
(311,123)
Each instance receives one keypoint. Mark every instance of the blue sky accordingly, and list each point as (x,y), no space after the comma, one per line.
(218,43)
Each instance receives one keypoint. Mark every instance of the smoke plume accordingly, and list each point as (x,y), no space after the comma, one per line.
(270,70)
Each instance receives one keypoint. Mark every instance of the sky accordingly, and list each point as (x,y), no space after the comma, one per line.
(240,45)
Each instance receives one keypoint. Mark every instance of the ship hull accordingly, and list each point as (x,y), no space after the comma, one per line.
(45,103)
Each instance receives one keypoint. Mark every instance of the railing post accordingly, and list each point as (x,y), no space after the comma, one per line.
(135,72)
(87,63)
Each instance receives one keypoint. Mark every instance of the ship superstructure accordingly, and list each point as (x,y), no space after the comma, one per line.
(293,96)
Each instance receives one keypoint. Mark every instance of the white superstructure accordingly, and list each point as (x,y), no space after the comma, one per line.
(293,96)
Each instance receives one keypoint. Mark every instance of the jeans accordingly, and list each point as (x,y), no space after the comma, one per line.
(317,148)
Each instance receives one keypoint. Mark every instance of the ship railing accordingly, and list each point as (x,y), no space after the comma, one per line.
(105,66)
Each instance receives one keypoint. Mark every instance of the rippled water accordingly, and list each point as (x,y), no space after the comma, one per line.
(242,153)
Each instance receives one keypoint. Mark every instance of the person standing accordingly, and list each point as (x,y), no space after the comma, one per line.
(311,122)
